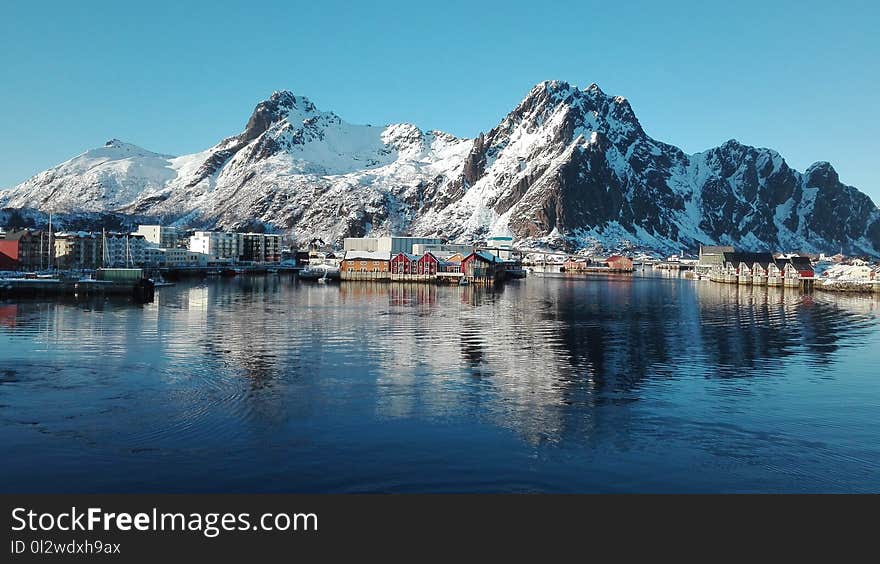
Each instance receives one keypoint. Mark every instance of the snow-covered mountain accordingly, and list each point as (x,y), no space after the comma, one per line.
(567,167)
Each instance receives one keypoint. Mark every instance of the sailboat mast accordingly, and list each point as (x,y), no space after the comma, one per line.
(51,246)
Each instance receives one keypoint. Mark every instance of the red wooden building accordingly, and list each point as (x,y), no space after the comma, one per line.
(9,255)
(427,265)
(404,263)
(482,267)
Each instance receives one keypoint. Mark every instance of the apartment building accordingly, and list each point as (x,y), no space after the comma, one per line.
(161,236)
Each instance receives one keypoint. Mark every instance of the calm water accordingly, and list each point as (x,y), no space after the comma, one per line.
(553,385)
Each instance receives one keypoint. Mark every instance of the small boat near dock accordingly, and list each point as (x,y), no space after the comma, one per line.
(320,272)
(162,283)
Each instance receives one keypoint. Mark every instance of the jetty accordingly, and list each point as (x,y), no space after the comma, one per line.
(122,282)
(181,272)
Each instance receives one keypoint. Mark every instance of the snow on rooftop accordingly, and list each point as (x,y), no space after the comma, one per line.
(367,255)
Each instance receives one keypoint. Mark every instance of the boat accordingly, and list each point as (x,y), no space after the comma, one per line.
(463,282)
(319,272)
(161,283)
(214,272)
(85,283)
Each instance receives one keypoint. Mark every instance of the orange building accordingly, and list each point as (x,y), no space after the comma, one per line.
(365,265)
(617,262)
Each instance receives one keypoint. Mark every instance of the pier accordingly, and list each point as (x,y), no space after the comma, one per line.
(141,291)
(121,282)
(180,272)
(674,265)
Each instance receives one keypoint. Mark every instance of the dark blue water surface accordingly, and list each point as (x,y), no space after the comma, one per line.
(629,384)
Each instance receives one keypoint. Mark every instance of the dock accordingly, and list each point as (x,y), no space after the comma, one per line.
(121,282)
(181,272)
(142,291)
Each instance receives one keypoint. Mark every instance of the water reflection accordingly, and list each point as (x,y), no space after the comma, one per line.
(260,370)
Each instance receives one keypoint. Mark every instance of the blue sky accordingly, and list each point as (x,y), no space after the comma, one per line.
(176,77)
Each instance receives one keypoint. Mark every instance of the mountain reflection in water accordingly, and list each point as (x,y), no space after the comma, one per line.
(629,383)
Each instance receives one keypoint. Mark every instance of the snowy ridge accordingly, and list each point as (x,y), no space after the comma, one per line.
(567,167)
(97,180)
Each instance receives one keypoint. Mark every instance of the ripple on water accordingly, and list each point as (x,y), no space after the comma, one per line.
(565,385)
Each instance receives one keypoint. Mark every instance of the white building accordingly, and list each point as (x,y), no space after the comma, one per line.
(174,258)
(123,249)
(248,247)
(391,245)
(161,236)
(217,244)
(498,246)
(442,249)
(363,244)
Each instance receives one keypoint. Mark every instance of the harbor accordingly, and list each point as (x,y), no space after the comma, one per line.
(43,263)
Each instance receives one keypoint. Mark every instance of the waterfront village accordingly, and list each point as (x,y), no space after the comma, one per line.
(41,260)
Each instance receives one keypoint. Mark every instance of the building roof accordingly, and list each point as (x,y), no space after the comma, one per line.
(367,255)
(800,263)
(80,234)
(766,259)
(488,257)
(443,255)
(17,234)
(748,258)
(409,256)
(716,249)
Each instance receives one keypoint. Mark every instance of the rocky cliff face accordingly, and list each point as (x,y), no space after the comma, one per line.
(567,167)
(575,167)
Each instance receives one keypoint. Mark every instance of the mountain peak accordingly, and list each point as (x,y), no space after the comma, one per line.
(553,86)
(556,91)
(281,105)
(118,148)
(821,174)
(547,91)
(288,99)
(594,89)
